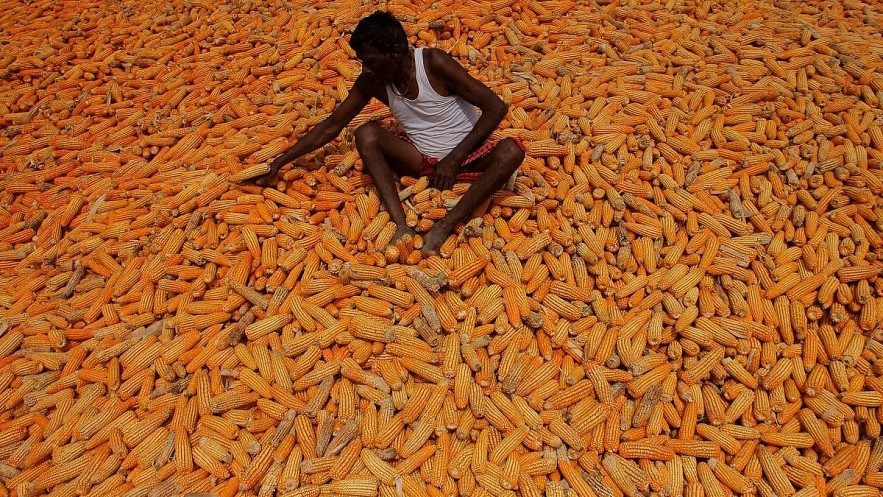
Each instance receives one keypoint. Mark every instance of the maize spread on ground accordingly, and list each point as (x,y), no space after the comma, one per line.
(680,296)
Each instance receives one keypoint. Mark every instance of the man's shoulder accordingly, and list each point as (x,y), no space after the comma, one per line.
(433,54)
(438,61)
(370,87)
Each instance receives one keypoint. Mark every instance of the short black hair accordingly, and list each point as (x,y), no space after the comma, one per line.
(382,31)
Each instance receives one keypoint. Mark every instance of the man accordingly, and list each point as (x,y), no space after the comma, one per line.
(434,99)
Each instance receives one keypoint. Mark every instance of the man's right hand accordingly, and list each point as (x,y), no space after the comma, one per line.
(275,166)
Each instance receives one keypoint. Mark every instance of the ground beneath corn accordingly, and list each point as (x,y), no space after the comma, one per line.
(680,296)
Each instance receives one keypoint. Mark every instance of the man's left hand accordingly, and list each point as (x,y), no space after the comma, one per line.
(445,174)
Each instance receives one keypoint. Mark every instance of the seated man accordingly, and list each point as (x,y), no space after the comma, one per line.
(434,100)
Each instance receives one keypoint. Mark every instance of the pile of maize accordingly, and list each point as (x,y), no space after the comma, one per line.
(681,295)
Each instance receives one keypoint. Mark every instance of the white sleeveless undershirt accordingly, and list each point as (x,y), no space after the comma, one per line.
(435,124)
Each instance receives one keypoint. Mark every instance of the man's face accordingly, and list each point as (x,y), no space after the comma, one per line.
(379,65)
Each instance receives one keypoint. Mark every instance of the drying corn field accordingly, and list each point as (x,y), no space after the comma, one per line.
(681,295)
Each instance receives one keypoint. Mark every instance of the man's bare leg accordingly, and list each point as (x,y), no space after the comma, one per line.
(502,162)
(380,151)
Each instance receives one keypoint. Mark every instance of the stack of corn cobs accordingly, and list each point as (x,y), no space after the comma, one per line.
(681,296)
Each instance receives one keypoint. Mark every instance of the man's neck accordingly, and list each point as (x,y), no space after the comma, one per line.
(406,69)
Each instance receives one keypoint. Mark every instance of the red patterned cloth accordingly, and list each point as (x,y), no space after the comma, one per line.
(467,172)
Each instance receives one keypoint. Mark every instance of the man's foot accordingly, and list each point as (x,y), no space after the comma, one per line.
(433,241)
(401,232)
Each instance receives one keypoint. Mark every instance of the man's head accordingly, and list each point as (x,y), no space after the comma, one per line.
(380,42)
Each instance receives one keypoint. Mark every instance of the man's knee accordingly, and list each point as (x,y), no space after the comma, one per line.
(368,134)
(511,154)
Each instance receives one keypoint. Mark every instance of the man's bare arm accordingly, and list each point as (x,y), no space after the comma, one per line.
(457,81)
(328,129)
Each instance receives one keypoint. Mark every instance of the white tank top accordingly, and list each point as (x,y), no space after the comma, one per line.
(435,124)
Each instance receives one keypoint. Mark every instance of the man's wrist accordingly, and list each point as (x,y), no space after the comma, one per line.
(286,157)
(454,159)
